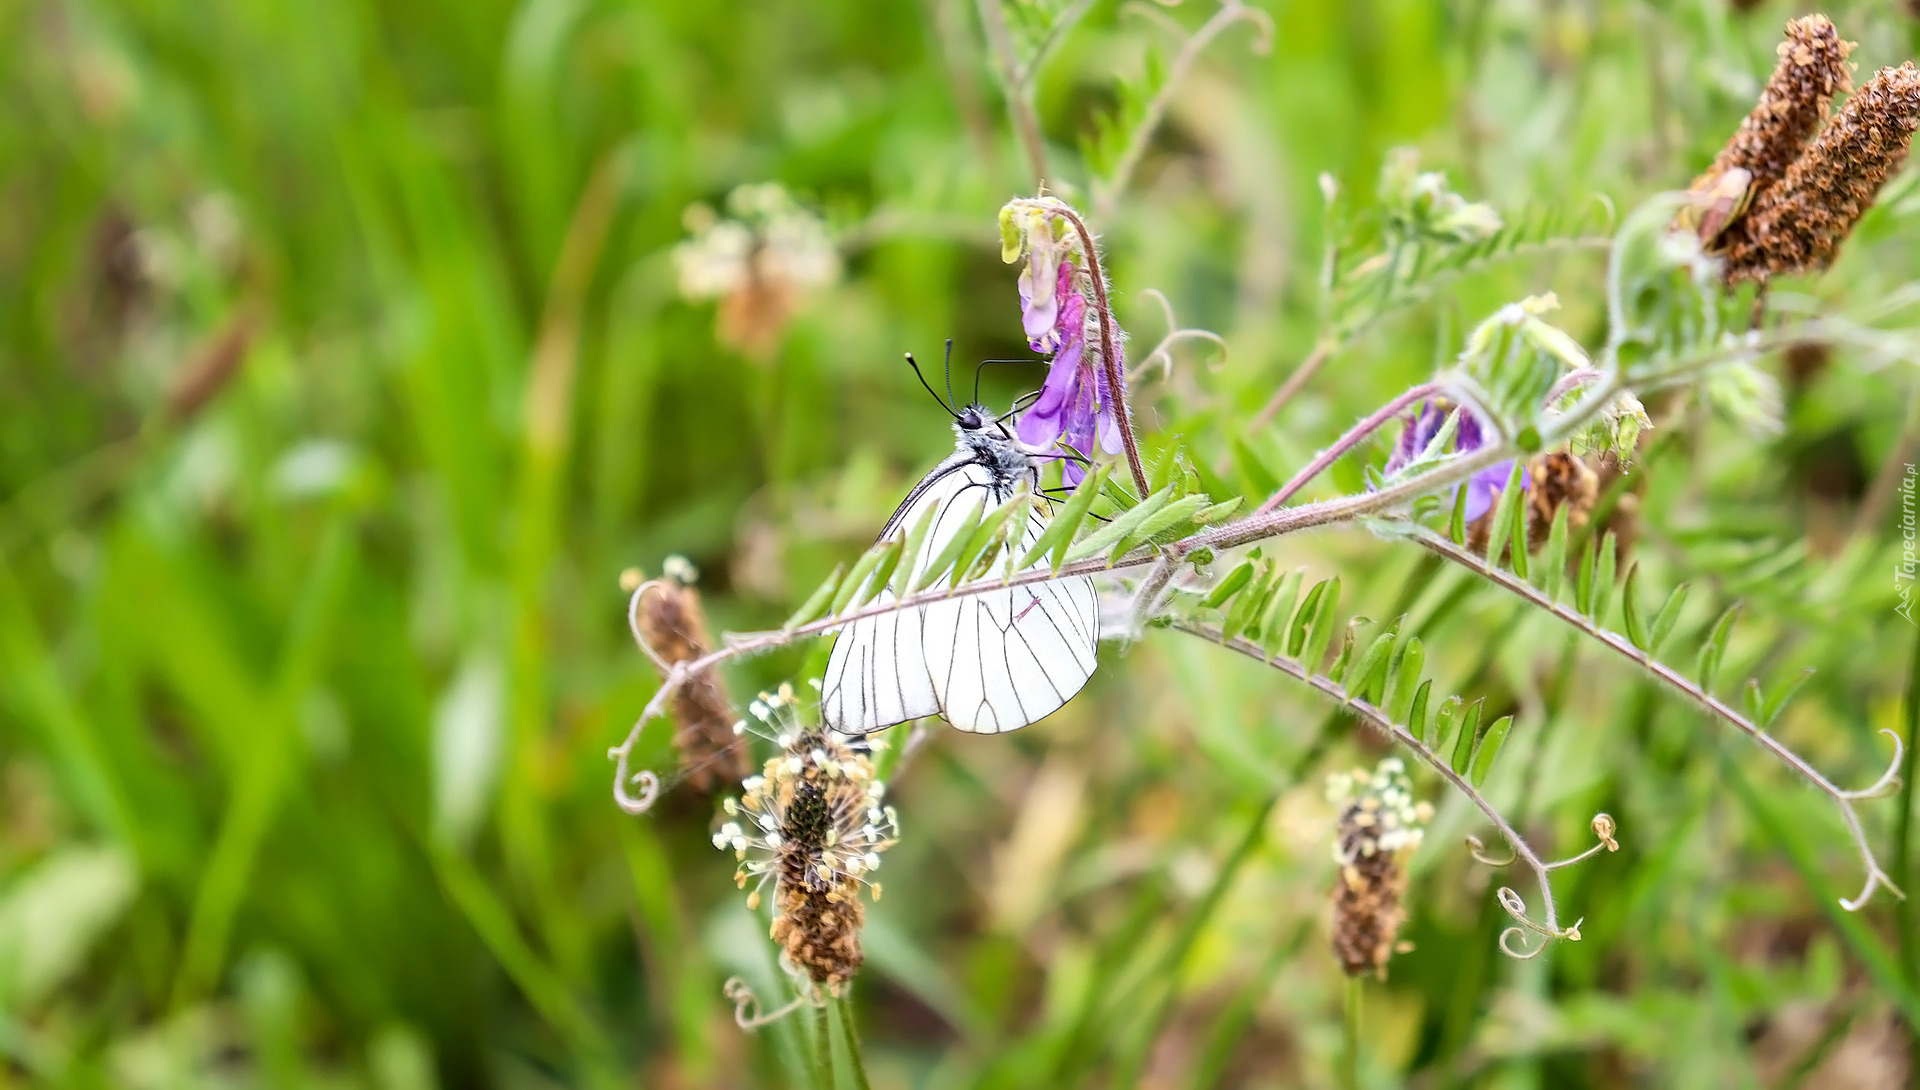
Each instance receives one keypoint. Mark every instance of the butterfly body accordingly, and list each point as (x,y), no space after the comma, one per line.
(987,662)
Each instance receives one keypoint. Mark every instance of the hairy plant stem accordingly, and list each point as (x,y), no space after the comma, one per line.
(1353,438)
(822,1050)
(1702,699)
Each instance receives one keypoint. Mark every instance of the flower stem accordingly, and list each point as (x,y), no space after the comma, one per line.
(1350,1038)
(822,1051)
(1347,442)
(851,1038)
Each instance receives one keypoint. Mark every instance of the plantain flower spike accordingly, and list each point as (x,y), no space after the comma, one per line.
(1380,826)
(814,824)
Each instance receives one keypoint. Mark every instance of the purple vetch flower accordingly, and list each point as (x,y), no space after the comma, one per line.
(1074,410)
(1424,423)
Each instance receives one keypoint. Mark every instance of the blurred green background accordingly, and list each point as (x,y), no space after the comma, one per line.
(347,363)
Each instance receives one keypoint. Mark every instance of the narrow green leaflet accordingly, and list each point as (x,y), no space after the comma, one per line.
(857,578)
(1321,632)
(1583,582)
(1058,535)
(916,540)
(1763,710)
(1488,749)
(1469,734)
(1715,648)
(982,543)
(1416,717)
(1122,525)
(1338,671)
(1553,562)
(1179,513)
(1230,585)
(941,563)
(1371,674)
(1664,620)
(1517,531)
(1457,523)
(816,603)
(1436,739)
(1411,661)
(1505,513)
(1273,624)
(1246,605)
(1630,608)
(1217,512)
(1309,609)
(883,571)
(1603,583)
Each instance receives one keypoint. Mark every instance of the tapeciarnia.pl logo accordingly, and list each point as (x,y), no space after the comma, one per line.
(1909,566)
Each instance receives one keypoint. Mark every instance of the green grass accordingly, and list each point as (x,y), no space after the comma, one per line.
(308,671)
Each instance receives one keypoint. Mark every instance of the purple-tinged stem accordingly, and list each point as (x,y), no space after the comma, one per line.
(1354,437)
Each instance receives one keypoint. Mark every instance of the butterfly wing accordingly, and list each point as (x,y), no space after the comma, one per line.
(877,673)
(987,662)
(1001,660)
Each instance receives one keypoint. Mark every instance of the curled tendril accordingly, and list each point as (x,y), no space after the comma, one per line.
(1604,830)
(746,1005)
(1478,849)
(1889,781)
(1517,908)
(1162,353)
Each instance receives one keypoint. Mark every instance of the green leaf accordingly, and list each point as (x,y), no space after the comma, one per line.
(816,603)
(1764,710)
(1177,513)
(983,543)
(1457,525)
(1443,716)
(1217,512)
(1338,671)
(1123,524)
(1630,605)
(1163,468)
(1517,531)
(1297,631)
(1603,583)
(1553,574)
(1234,581)
(1273,624)
(883,571)
(857,578)
(956,544)
(1248,603)
(1321,632)
(1469,734)
(1505,513)
(1416,721)
(1066,521)
(1372,671)
(1715,648)
(1664,620)
(1489,748)
(1406,676)
(1583,583)
(916,540)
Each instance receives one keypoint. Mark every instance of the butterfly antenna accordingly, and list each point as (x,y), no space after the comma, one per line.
(949,370)
(982,366)
(935,394)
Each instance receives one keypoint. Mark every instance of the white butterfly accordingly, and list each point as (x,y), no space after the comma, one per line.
(987,662)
